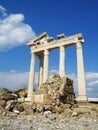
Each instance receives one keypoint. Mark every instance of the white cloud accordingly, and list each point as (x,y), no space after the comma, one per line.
(13,80)
(91,79)
(13,31)
(93,83)
(91,75)
(53,71)
(89,89)
(3,11)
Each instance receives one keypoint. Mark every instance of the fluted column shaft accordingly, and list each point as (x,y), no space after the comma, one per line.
(62,62)
(31,76)
(41,70)
(46,61)
(81,79)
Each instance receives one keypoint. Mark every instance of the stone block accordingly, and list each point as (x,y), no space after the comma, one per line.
(38,98)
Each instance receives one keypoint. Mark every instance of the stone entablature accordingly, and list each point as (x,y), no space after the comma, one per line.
(49,43)
(41,47)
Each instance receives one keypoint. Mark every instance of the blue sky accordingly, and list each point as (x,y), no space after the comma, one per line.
(21,21)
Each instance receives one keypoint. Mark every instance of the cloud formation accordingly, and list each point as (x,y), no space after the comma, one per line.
(91,75)
(3,11)
(13,31)
(13,80)
(91,79)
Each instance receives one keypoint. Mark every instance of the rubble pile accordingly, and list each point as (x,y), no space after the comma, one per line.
(58,90)
(59,95)
(9,99)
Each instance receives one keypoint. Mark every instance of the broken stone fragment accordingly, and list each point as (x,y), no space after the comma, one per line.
(74,114)
(7,95)
(47,113)
(10,105)
(22,92)
(19,107)
(2,103)
(16,111)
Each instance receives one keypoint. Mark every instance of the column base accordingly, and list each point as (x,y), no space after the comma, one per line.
(62,76)
(82,98)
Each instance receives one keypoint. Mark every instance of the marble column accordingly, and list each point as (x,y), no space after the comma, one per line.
(41,69)
(62,62)
(46,60)
(81,78)
(31,76)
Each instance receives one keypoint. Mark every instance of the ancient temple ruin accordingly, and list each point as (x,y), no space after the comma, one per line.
(41,46)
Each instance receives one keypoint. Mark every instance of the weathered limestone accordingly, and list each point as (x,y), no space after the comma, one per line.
(81,79)
(38,98)
(60,36)
(55,90)
(42,45)
(41,69)
(46,60)
(62,61)
(31,76)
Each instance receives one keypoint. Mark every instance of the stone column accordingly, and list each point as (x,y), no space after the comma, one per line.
(41,70)
(81,79)
(31,77)
(46,60)
(62,62)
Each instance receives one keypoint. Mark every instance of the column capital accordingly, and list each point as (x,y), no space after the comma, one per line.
(62,48)
(78,45)
(46,52)
(33,55)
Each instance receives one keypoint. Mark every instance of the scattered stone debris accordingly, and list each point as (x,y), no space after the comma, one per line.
(58,95)
(9,99)
(58,110)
